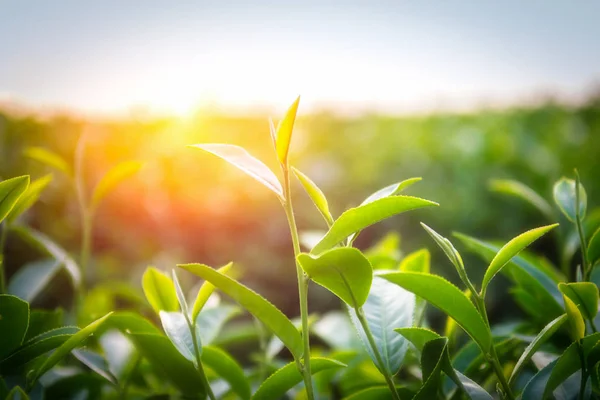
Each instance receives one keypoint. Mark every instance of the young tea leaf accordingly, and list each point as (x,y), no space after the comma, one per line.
(229,369)
(14,320)
(576,322)
(584,295)
(32,278)
(29,198)
(112,178)
(452,254)
(511,249)
(593,249)
(10,192)
(266,312)
(390,190)
(316,195)
(356,219)
(287,377)
(205,291)
(565,197)
(212,320)
(418,336)
(345,271)
(49,158)
(180,295)
(523,192)
(96,362)
(418,261)
(240,158)
(432,364)
(447,297)
(285,127)
(178,331)
(159,290)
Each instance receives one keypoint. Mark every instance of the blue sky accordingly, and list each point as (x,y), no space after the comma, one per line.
(172,56)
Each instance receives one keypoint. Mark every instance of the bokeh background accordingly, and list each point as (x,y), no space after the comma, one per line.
(455,93)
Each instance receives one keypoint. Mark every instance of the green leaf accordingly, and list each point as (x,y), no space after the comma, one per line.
(17,394)
(539,340)
(452,254)
(390,190)
(113,177)
(178,331)
(240,158)
(387,307)
(417,261)
(576,322)
(229,369)
(159,290)
(593,249)
(565,198)
(49,158)
(418,336)
(285,378)
(336,330)
(128,322)
(10,192)
(170,364)
(345,271)
(357,219)
(432,364)
(32,278)
(41,321)
(584,295)
(180,296)
(96,363)
(44,243)
(120,353)
(511,249)
(28,199)
(316,195)
(523,192)
(14,320)
(285,127)
(74,341)
(447,297)
(211,321)
(379,393)
(205,291)
(257,305)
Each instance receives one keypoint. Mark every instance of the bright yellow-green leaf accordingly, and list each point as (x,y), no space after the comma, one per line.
(523,192)
(29,198)
(284,132)
(356,219)
(418,261)
(262,309)
(565,197)
(112,178)
(316,195)
(10,192)
(584,295)
(49,158)
(345,271)
(447,297)
(511,249)
(576,322)
(227,368)
(159,290)
(205,291)
(390,190)
(593,249)
(285,378)
(241,159)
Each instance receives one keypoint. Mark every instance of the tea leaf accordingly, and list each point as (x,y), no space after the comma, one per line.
(96,363)
(10,192)
(316,195)
(284,132)
(523,192)
(120,353)
(345,271)
(29,198)
(452,254)
(285,378)
(14,320)
(266,312)
(390,190)
(178,331)
(376,393)
(159,290)
(32,278)
(211,321)
(17,394)
(356,219)
(205,291)
(584,295)
(432,364)
(240,158)
(387,307)
(49,158)
(74,341)
(565,198)
(229,369)
(576,322)
(113,177)
(41,321)
(417,261)
(180,296)
(35,348)
(539,340)
(511,249)
(446,297)
(418,336)
(593,249)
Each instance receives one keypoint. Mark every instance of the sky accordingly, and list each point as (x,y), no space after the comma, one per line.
(113,56)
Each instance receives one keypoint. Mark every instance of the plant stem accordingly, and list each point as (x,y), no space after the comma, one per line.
(86,244)
(388,378)
(302,283)
(583,245)
(584,375)
(199,366)
(4,228)
(493,356)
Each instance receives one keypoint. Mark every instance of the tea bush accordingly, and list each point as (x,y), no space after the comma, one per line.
(380,345)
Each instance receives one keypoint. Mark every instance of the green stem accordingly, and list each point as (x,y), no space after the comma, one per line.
(583,245)
(388,378)
(86,245)
(584,375)
(302,283)
(199,366)
(4,228)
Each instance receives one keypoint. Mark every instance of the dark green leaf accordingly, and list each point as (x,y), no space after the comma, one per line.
(159,290)
(32,278)
(96,363)
(432,364)
(10,192)
(593,249)
(41,321)
(17,394)
(565,198)
(226,367)
(14,320)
